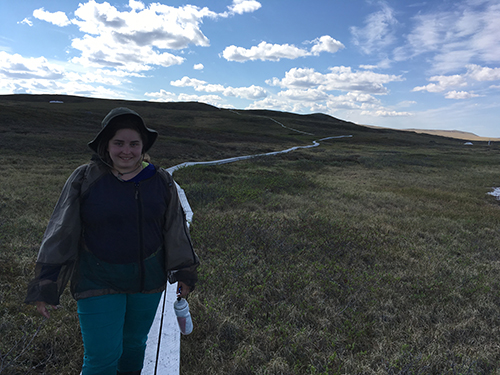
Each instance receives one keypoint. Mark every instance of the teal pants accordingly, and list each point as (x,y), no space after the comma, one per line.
(115,329)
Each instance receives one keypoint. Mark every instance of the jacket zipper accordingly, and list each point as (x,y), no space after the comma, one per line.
(141,240)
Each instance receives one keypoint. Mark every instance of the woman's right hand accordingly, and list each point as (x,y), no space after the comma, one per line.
(41,307)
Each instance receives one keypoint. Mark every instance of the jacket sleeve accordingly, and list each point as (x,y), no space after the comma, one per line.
(59,249)
(181,259)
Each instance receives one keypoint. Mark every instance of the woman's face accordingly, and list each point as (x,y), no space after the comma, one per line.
(125,150)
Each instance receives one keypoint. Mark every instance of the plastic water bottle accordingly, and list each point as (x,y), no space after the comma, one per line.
(181,308)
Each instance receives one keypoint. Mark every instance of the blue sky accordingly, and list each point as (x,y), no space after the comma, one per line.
(402,64)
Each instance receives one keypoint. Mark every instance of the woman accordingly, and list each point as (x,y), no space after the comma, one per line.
(119,233)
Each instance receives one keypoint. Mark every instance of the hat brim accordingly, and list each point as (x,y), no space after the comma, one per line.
(151,135)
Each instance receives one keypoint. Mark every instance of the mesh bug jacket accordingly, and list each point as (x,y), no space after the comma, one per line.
(112,236)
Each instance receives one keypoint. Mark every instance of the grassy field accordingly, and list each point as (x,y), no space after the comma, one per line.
(376,254)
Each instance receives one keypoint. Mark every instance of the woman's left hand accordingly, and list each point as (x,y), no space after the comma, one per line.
(183,290)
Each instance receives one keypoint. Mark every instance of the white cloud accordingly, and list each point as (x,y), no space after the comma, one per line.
(325,44)
(368,67)
(273,104)
(406,103)
(190,82)
(480,73)
(136,40)
(474,75)
(26,21)
(99,76)
(166,96)
(161,96)
(39,76)
(18,67)
(384,113)
(339,78)
(443,83)
(244,6)
(253,92)
(313,101)
(468,33)
(460,95)
(264,51)
(378,32)
(136,5)
(57,18)
(198,66)
(275,52)
(308,95)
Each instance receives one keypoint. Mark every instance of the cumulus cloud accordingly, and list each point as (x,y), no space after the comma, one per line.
(325,44)
(378,32)
(385,113)
(253,92)
(166,96)
(460,95)
(308,95)
(264,51)
(57,18)
(311,100)
(197,84)
(136,40)
(161,96)
(443,83)
(480,73)
(275,52)
(136,5)
(339,78)
(244,6)
(307,90)
(19,67)
(19,74)
(275,104)
(198,66)
(474,75)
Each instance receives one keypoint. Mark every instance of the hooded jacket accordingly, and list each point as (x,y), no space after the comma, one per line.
(64,253)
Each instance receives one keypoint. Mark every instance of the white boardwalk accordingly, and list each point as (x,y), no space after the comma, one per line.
(169,358)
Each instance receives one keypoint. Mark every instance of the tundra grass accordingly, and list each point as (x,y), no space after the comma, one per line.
(371,255)
(335,260)
(369,264)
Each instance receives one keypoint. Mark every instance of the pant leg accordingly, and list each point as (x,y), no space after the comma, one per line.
(101,322)
(140,314)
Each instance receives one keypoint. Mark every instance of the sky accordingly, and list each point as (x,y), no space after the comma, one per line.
(394,63)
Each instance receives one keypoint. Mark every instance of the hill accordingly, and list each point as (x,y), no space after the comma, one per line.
(456,134)
(188,131)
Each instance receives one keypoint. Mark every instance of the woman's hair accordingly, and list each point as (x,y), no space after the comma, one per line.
(118,123)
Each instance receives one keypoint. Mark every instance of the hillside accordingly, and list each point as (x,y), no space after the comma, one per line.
(208,131)
(456,134)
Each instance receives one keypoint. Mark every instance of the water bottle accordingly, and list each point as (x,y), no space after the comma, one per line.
(181,308)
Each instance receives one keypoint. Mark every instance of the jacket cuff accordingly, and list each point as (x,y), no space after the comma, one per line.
(188,277)
(43,290)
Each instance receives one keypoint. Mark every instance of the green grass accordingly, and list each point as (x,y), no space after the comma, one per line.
(376,254)
(378,266)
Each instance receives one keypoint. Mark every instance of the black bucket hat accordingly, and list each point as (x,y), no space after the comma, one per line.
(150,134)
